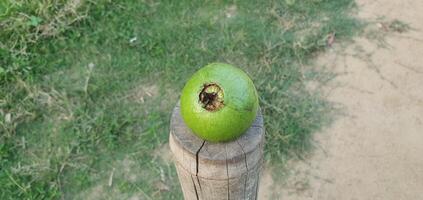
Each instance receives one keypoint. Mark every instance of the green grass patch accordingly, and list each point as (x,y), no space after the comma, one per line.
(84,112)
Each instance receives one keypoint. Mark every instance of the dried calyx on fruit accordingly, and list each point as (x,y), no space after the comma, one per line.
(211,97)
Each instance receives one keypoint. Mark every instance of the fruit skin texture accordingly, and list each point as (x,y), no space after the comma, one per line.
(234,108)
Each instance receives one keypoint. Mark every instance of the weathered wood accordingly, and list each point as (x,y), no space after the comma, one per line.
(217,171)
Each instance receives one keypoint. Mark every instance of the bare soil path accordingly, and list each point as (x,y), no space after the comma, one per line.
(375,151)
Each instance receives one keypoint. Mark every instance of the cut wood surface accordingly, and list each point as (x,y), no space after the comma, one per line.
(212,171)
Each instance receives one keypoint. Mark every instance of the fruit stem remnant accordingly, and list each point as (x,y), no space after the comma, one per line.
(211,97)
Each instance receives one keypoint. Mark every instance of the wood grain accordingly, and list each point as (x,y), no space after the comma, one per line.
(215,171)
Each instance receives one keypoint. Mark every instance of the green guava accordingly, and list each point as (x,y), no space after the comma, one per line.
(219,102)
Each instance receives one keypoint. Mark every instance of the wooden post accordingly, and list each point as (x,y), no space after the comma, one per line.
(217,171)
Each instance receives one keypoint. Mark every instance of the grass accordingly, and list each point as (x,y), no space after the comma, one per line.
(84,110)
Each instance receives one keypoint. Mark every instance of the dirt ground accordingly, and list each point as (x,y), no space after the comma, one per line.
(375,151)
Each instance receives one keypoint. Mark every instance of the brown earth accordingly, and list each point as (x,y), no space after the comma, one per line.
(375,151)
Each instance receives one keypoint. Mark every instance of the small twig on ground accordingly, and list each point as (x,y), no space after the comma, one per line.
(111,178)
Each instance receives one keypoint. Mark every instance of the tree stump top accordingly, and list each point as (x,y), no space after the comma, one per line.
(204,158)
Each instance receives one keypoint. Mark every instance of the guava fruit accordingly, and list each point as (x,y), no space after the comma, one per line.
(219,102)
